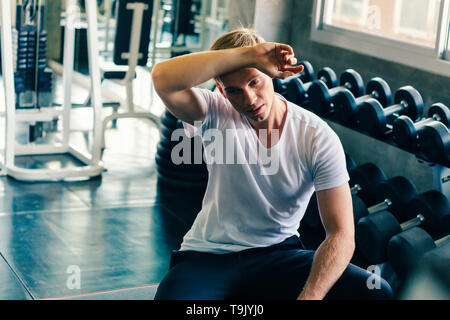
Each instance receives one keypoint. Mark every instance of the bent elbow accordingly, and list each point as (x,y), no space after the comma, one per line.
(351,245)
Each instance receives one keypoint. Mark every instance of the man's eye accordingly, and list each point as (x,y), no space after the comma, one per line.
(232,91)
(254,83)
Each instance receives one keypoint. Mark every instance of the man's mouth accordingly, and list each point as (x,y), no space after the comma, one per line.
(257,110)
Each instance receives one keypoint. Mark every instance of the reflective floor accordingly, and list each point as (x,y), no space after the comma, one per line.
(118,229)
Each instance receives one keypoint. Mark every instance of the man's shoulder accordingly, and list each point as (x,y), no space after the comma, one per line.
(306,119)
(210,95)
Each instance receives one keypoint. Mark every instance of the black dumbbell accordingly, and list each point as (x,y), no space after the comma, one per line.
(392,195)
(346,105)
(364,180)
(321,97)
(307,75)
(405,131)
(297,90)
(377,121)
(434,143)
(430,210)
(406,249)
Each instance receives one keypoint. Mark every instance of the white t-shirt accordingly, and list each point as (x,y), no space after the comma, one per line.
(257,203)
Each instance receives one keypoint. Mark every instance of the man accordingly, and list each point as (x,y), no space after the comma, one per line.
(244,242)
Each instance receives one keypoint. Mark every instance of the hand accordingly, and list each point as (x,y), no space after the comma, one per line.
(276,60)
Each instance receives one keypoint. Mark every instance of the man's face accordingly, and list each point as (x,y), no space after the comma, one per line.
(250,92)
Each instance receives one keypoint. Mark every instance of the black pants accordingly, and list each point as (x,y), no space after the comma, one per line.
(276,272)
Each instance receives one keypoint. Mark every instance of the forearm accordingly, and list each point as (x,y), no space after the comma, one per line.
(330,260)
(187,71)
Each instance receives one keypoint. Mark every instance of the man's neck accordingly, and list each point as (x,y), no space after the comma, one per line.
(276,118)
(273,124)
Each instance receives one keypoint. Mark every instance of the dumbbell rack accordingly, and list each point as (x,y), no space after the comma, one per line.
(440,169)
(440,172)
(92,160)
(441,176)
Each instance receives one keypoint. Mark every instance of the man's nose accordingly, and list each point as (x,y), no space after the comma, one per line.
(250,97)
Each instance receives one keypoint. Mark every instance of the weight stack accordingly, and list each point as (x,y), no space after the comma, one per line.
(30,64)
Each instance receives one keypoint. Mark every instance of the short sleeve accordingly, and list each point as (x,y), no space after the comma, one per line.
(327,159)
(216,107)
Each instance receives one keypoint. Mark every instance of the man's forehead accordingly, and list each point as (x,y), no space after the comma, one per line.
(241,76)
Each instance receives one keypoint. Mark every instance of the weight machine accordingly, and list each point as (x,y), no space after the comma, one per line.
(131,50)
(36,112)
(204,21)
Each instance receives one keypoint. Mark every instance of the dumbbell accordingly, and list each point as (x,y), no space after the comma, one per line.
(346,105)
(321,97)
(363,179)
(377,121)
(392,194)
(430,210)
(297,90)
(434,143)
(408,247)
(307,75)
(405,131)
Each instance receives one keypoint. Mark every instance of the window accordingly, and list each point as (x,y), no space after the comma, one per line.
(416,21)
(350,13)
(412,32)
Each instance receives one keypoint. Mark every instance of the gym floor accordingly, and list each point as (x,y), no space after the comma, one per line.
(119,229)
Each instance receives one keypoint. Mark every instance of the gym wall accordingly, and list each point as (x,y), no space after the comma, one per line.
(290,21)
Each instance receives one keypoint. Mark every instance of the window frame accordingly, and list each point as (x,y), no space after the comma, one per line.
(435,60)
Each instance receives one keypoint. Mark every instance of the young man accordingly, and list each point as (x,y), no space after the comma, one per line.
(244,242)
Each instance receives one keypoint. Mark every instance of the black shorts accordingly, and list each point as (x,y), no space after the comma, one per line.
(275,272)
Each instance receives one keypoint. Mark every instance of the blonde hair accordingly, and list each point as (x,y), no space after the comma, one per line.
(242,37)
(238,38)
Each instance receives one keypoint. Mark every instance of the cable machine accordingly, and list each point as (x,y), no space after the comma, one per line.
(28,92)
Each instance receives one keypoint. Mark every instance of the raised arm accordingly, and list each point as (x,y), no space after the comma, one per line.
(175,79)
(334,254)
